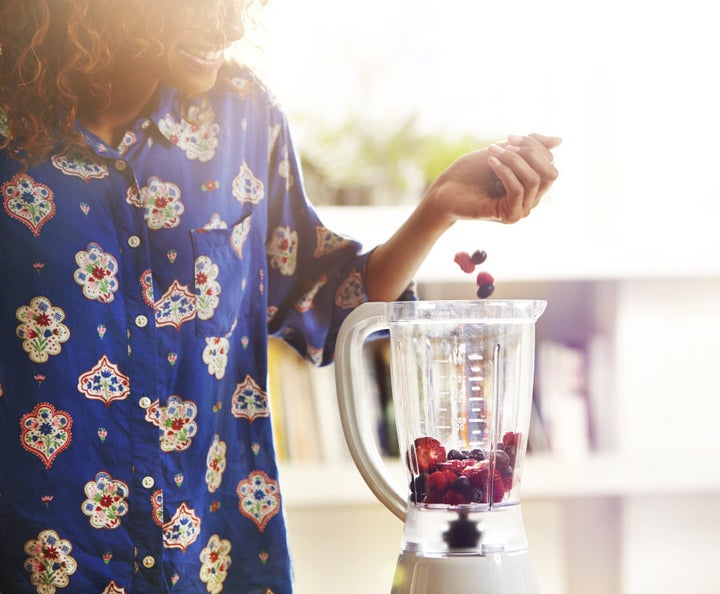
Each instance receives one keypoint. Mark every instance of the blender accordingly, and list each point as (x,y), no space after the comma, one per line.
(461,376)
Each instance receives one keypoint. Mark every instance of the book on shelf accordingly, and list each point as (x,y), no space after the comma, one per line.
(570,400)
(303,407)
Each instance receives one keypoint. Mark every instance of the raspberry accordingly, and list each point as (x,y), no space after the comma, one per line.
(465,262)
(498,487)
(484,278)
(455,498)
(437,481)
(511,439)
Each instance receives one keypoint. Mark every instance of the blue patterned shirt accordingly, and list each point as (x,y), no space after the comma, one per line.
(139,285)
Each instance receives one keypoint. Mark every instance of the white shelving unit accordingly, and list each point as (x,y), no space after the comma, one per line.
(641,516)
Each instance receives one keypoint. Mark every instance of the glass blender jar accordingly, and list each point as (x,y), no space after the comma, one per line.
(462,376)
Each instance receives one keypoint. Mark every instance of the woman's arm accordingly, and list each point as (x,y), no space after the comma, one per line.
(502,183)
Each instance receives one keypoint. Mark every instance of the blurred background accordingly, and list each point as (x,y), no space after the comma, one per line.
(621,492)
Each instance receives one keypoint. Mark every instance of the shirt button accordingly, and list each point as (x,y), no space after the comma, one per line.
(148,561)
(148,482)
(144,402)
(120,165)
(145,125)
(133,241)
(141,321)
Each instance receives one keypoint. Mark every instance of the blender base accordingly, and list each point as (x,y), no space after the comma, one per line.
(492,573)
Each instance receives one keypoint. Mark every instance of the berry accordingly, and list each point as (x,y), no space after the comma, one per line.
(511,439)
(484,278)
(478,257)
(455,455)
(498,487)
(461,484)
(465,262)
(425,454)
(484,291)
(437,480)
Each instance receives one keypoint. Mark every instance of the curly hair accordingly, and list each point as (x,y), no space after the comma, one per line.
(53,52)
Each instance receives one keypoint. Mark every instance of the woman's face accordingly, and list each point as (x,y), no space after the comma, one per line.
(194,38)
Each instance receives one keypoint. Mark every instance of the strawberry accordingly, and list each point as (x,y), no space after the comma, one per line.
(425,454)
(464,260)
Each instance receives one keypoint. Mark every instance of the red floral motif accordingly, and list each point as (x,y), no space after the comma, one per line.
(104,382)
(46,432)
(28,201)
(259,498)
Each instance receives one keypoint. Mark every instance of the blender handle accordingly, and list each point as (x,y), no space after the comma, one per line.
(351,380)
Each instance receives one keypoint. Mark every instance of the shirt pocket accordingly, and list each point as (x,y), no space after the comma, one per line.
(221,263)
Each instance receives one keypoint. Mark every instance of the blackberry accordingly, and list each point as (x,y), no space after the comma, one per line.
(485,290)
(478,257)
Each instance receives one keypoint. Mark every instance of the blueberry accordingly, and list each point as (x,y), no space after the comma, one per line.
(461,484)
(455,455)
(484,291)
(478,257)
(477,454)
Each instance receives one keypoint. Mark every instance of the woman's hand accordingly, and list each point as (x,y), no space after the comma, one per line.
(503,182)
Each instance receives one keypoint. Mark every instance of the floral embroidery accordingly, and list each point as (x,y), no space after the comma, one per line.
(133,196)
(156,500)
(97,273)
(198,141)
(28,201)
(146,284)
(215,559)
(104,382)
(77,163)
(215,222)
(239,235)
(249,400)
(282,249)
(127,141)
(41,329)
(215,355)
(306,302)
(259,498)
(162,203)
(246,187)
(113,588)
(46,432)
(49,562)
(182,529)
(105,503)
(350,293)
(206,287)
(328,242)
(215,464)
(176,422)
(175,307)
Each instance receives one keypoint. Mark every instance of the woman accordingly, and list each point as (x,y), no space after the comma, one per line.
(154,233)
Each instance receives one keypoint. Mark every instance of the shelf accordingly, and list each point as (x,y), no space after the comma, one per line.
(545,477)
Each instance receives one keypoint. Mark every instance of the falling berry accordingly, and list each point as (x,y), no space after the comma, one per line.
(464,260)
(478,257)
(485,290)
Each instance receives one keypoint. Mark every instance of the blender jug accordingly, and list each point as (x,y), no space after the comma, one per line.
(461,375)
